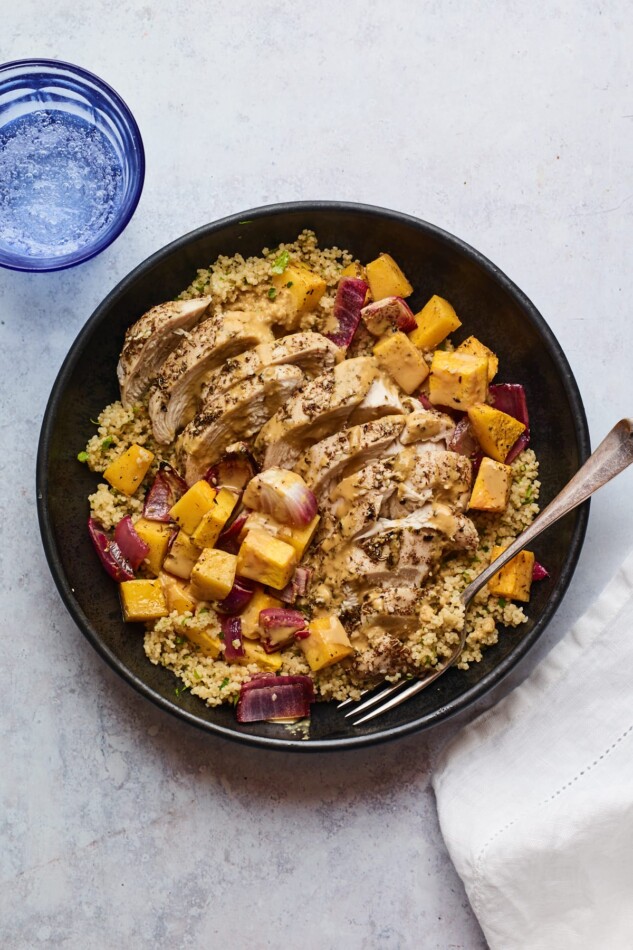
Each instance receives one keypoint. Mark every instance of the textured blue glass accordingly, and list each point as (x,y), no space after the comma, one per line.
(71,165)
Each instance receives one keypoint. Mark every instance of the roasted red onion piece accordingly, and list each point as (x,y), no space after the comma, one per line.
(350,297)
(238,597)
(275,697)
(232,630)
(133,548)
(463,439)
(229,539)
(280,627)
(539,573)
(283,495)
(510,398)
(297,587)
(167,488)
(233,470)
(110,554)
(390,313)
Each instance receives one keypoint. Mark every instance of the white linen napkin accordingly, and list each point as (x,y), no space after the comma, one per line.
(535,797)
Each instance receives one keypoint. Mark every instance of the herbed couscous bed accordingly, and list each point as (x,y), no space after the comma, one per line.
(189,640)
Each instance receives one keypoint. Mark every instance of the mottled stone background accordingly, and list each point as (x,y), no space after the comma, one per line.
(510,124)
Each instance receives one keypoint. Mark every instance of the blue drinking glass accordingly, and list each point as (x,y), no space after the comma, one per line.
(72,165)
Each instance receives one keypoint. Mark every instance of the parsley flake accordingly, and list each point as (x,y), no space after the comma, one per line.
(107,443)
(82,457)
(225,682)
(272,293)
(280,263)
(502,602)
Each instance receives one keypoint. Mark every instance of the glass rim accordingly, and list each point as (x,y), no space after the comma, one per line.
(85,77)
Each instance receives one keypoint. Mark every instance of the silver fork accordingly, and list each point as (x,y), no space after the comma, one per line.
(611,457)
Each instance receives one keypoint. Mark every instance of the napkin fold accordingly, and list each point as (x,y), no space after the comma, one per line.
(535,797)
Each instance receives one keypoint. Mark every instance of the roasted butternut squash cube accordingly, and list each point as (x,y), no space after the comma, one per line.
(402,360)
(306,287)
(208,531)
(496,431)
(156,535)
(182,556)
(126,473)
(458,380)
(204,639)
(178,596)
(299,538)
(386,279)
(491,491)
(189,510)
(266,559)
(514,580)
(357,271)
(327,644)
(142,600)
(435,321)
(254,653)
(250,615)
(476,348)
(213,574)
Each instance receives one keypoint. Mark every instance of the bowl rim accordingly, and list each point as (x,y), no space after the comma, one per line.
(135,133)
(494,676)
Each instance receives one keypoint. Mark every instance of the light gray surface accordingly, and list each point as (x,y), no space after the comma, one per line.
(512,129)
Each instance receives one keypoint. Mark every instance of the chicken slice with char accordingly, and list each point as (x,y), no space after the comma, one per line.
(323,406)
(150,340)
(383,398)
(236,415)
(173,401)
(425,471)
(349,450)
(311,352)
(403,551)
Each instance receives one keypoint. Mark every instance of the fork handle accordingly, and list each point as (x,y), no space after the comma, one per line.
(611,457)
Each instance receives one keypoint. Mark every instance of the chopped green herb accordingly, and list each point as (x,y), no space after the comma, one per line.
(197,675)
(107,443)
(272,293)
(225,682)
(203,610)
(82,457)
(95,422)
(179,640)
(181,689)
(502,602)
(250,221)
(280,263)
(527,498)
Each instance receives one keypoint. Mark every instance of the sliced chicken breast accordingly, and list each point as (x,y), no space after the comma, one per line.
(237,414)
(311,352)
(150,340)
(173,401)
(403,551)
(383,398)
(320,408)
(348,451)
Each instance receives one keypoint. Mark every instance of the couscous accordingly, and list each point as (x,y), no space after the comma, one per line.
(381,474)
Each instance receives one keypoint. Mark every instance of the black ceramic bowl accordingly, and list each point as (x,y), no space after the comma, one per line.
(489,305)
